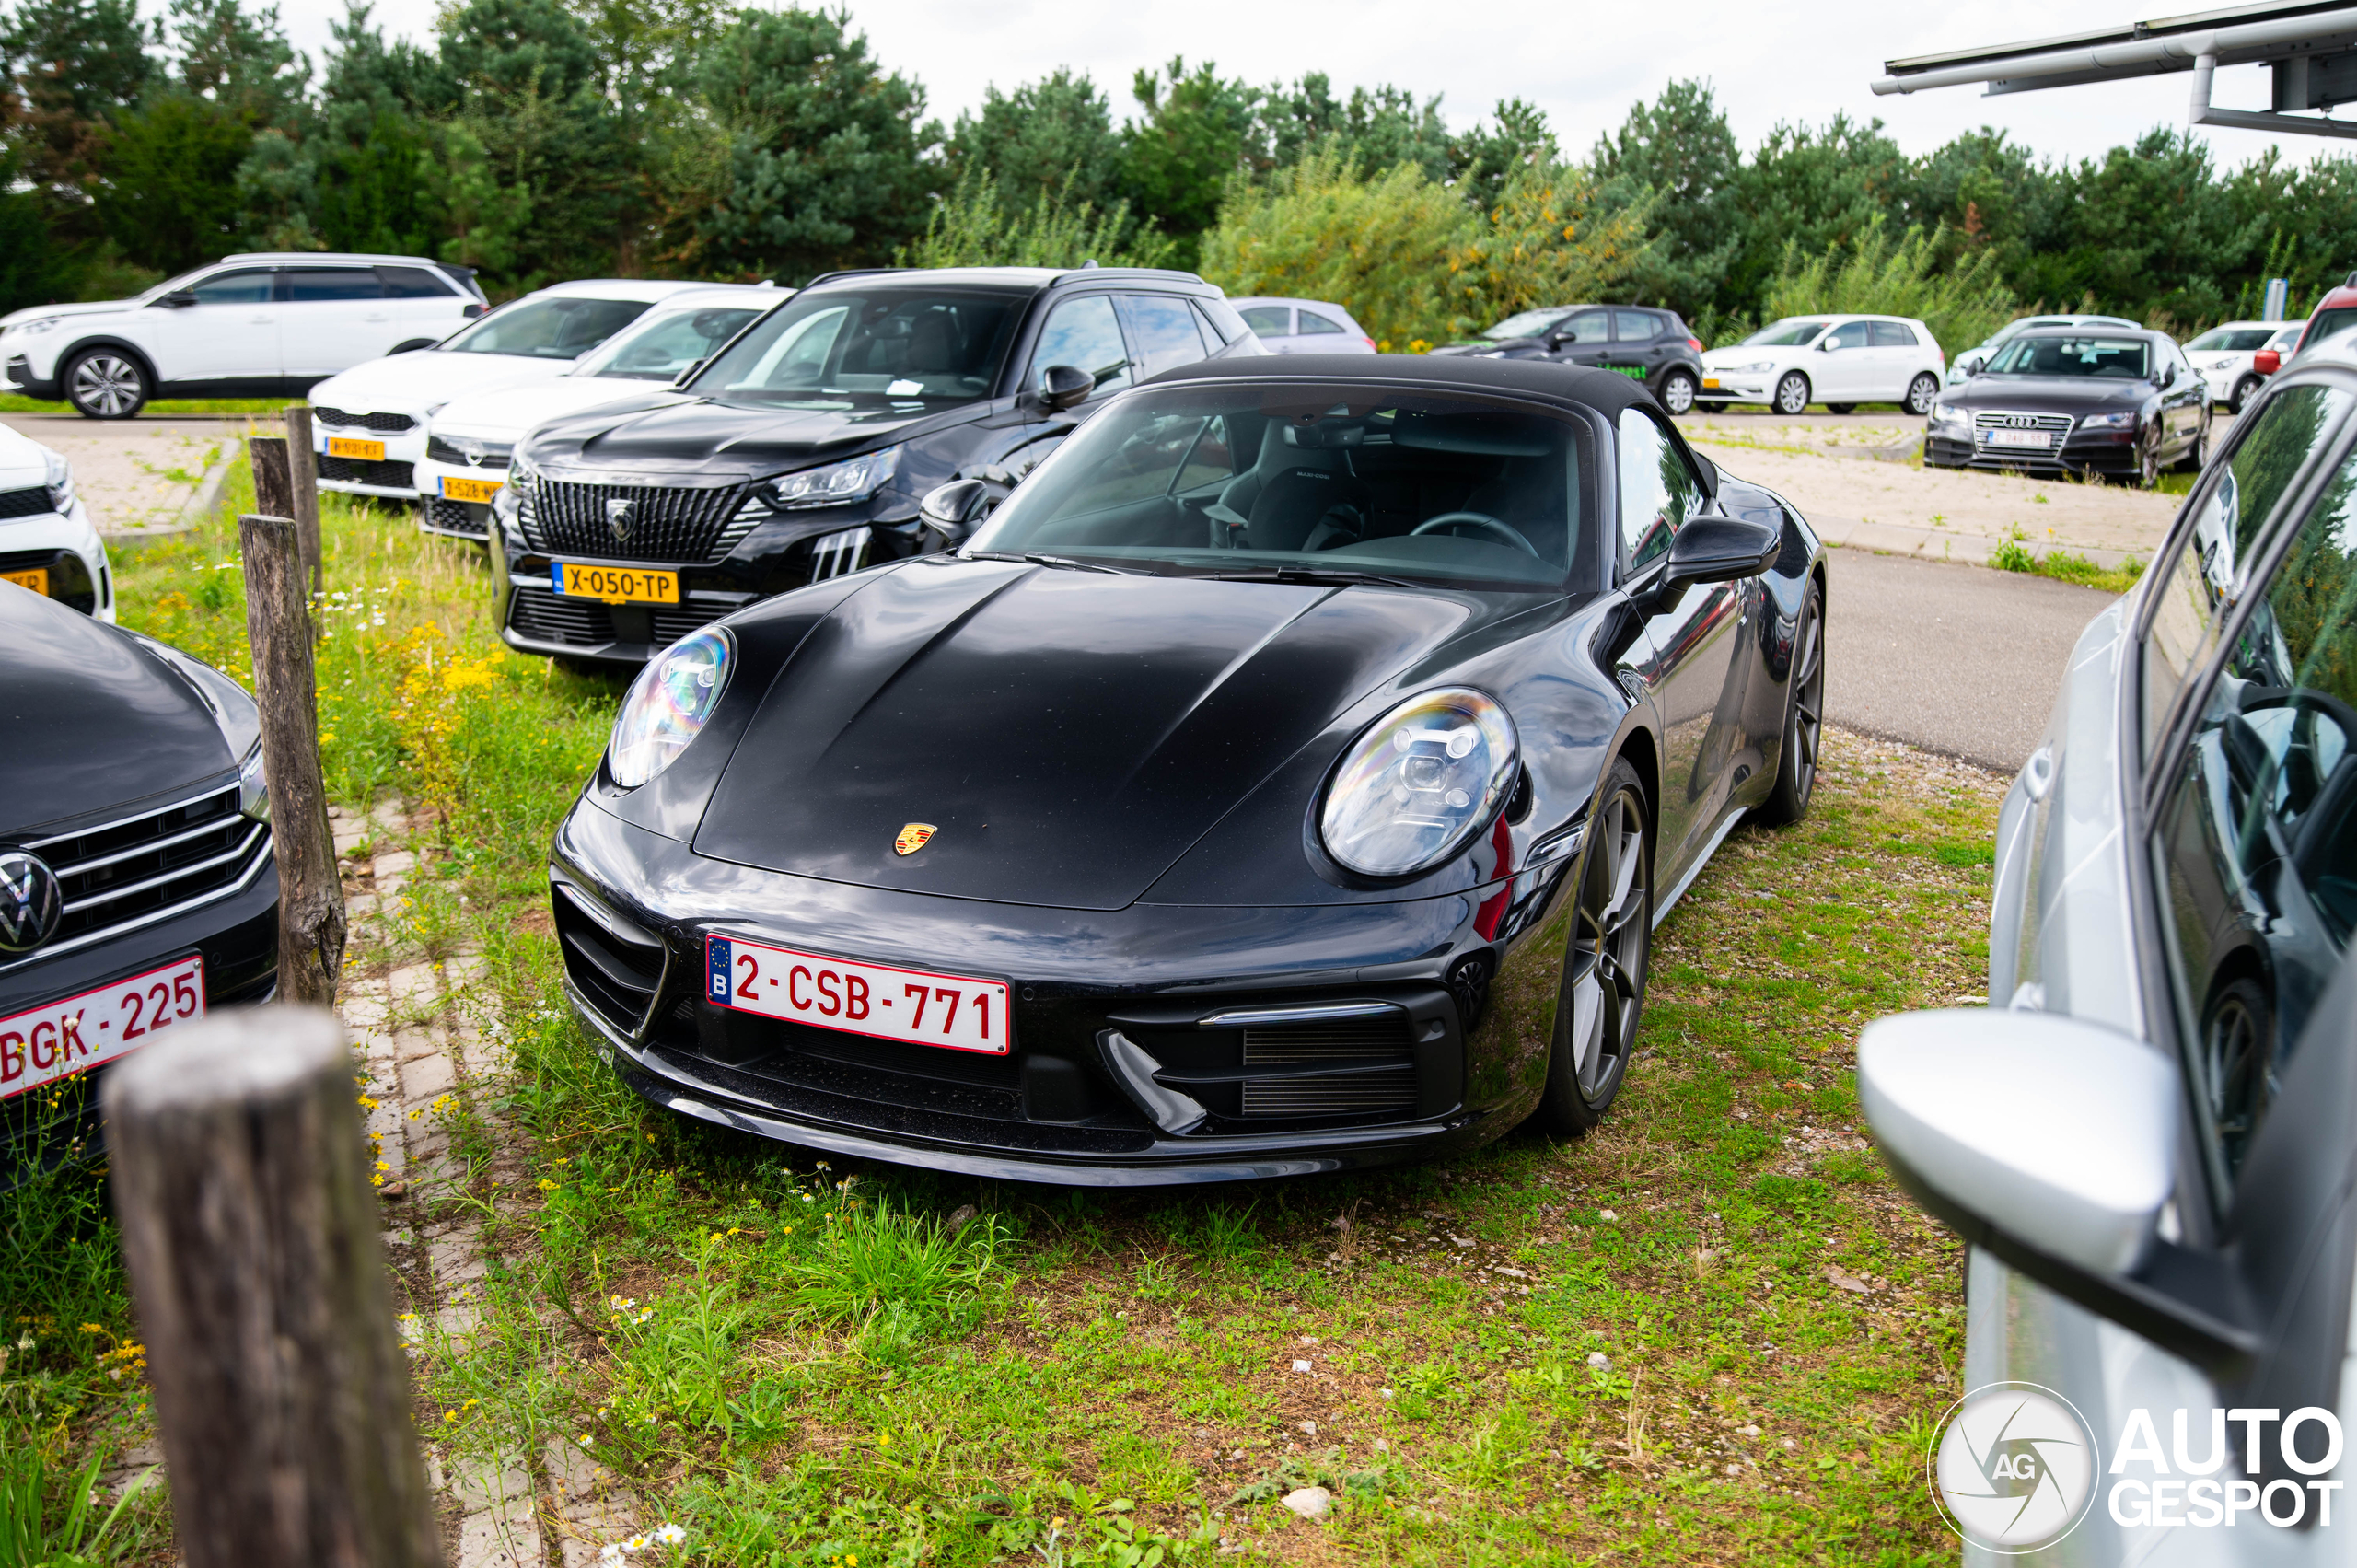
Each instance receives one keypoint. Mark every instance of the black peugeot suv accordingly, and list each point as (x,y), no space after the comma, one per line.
(1636,341)
(801,449)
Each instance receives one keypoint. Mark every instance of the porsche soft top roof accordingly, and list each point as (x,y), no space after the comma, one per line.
(1599,390)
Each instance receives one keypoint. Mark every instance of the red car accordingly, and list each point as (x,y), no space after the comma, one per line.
(2335,312)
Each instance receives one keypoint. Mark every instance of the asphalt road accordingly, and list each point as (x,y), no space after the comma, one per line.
(1956,659)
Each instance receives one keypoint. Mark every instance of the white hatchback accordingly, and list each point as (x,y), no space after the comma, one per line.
(369,425)
(469,443)
(263,325)
(1839,361)
(48,543)
(2221,357)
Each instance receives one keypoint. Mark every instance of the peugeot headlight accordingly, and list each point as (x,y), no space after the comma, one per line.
(2108,421)
(523,473)
(1419,783)
(58,476)
(253,789)
(36,327)
(667,705)
(853,479)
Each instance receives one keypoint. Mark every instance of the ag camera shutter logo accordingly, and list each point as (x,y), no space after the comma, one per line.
(2012,1467)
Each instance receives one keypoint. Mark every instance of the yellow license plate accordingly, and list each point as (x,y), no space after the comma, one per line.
(457,488)
(615,585)
(1710,381)
(352,446)
(35,578)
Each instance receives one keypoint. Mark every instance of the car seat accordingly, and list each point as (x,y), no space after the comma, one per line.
(1300,495)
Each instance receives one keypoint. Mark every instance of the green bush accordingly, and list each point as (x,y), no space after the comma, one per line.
(972,229)
(1962,299)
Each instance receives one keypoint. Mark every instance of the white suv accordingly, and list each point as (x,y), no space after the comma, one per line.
(1839,361)
(249,326)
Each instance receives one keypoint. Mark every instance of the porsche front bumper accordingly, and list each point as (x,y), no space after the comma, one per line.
(1155,1045)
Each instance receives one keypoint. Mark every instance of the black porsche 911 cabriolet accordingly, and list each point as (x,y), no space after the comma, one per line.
(1287,776)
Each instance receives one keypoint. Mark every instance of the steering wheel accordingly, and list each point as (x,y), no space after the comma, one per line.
(1480,520)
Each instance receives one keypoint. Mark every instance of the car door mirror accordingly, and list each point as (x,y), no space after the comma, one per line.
(179,299)
(1557,339)
(952,510)
(1719,550)
(1061,386)
(2167,376)
(1826,344)
(2266,361)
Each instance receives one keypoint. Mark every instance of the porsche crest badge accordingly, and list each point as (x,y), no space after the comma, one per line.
(914,837)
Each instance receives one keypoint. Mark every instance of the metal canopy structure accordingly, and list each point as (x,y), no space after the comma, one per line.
(2310,47)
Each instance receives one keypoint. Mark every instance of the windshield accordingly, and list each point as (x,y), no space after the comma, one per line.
(2233,340)
(1322,480)
(1788,333)
(562,328)
(657,348)
(2111,359)
(1525,324)
(844,347)
(2324,323)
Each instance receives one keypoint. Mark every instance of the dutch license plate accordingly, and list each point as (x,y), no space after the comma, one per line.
(33,577)
(455,488)
(916,1006)
(1710,383)
(2019,439)
(58,1039)
(615,585)
(352,446)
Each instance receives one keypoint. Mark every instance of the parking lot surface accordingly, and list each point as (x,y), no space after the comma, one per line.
(136,474)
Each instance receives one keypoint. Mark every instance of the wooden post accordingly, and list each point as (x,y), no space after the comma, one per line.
(310,897)
(274,478)
(303,468)
(252,1237)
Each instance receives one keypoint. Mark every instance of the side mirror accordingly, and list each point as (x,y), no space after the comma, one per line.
(2052,1143)
(1061,386)
(1719,550)
(2266,361)
(2168,376)
(1557,339)
(1825,343)
(179,299)
(951,510)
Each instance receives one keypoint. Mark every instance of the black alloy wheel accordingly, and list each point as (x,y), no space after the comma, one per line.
(105,383)
(1919,393)
(1603,995)
(1804,717)
(2242,390)
(2238,1064)
(1678,392)
(1792,393)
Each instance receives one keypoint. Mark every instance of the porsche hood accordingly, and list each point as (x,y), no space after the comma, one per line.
(1067,735)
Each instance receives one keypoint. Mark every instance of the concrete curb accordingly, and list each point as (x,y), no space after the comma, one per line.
(196,511)
(1940,544)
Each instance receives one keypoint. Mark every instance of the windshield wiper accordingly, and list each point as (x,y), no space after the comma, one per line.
(1039,558)
(1314,574)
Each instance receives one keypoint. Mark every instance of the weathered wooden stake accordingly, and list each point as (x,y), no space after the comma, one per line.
(310,897)
(251,1233)
(303,468)
(273,477)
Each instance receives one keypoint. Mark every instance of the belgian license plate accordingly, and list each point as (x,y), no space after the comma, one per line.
(33,577)
(352,446)
(1710,383)
(455,488)
(58,1039)
(615,585)
(888,1003)
(2019,439)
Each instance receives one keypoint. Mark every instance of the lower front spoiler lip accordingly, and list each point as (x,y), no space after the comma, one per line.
(1195,1163)
(620,655)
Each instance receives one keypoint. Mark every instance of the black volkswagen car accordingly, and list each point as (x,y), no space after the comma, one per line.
(799,452)
(1650,346)
(136,884)
(1287,776)
(2111,401)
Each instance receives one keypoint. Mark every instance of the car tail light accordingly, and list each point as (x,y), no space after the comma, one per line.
(1694,343)
(2267,362)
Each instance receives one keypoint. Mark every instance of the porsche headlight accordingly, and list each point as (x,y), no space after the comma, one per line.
(1419,782)
(853,479)
(667,705)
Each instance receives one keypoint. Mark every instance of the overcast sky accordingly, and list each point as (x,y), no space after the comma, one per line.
(1584,64)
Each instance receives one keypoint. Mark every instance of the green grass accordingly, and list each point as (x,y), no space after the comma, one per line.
(802,1364)
(15,403)
(2063,565)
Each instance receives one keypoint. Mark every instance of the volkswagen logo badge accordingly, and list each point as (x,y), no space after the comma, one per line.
(618,515)
(31,904)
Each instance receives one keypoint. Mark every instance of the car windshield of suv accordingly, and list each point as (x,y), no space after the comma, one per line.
(1316,484)
(1787,333)
(2231,339)
(854,347)
(660,348)
(1525,324)
(2110,359)
(563,328)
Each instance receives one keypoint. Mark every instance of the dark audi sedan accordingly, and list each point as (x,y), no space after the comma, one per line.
(1287,776)
(801,450)
(137,886)
(2110,401)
